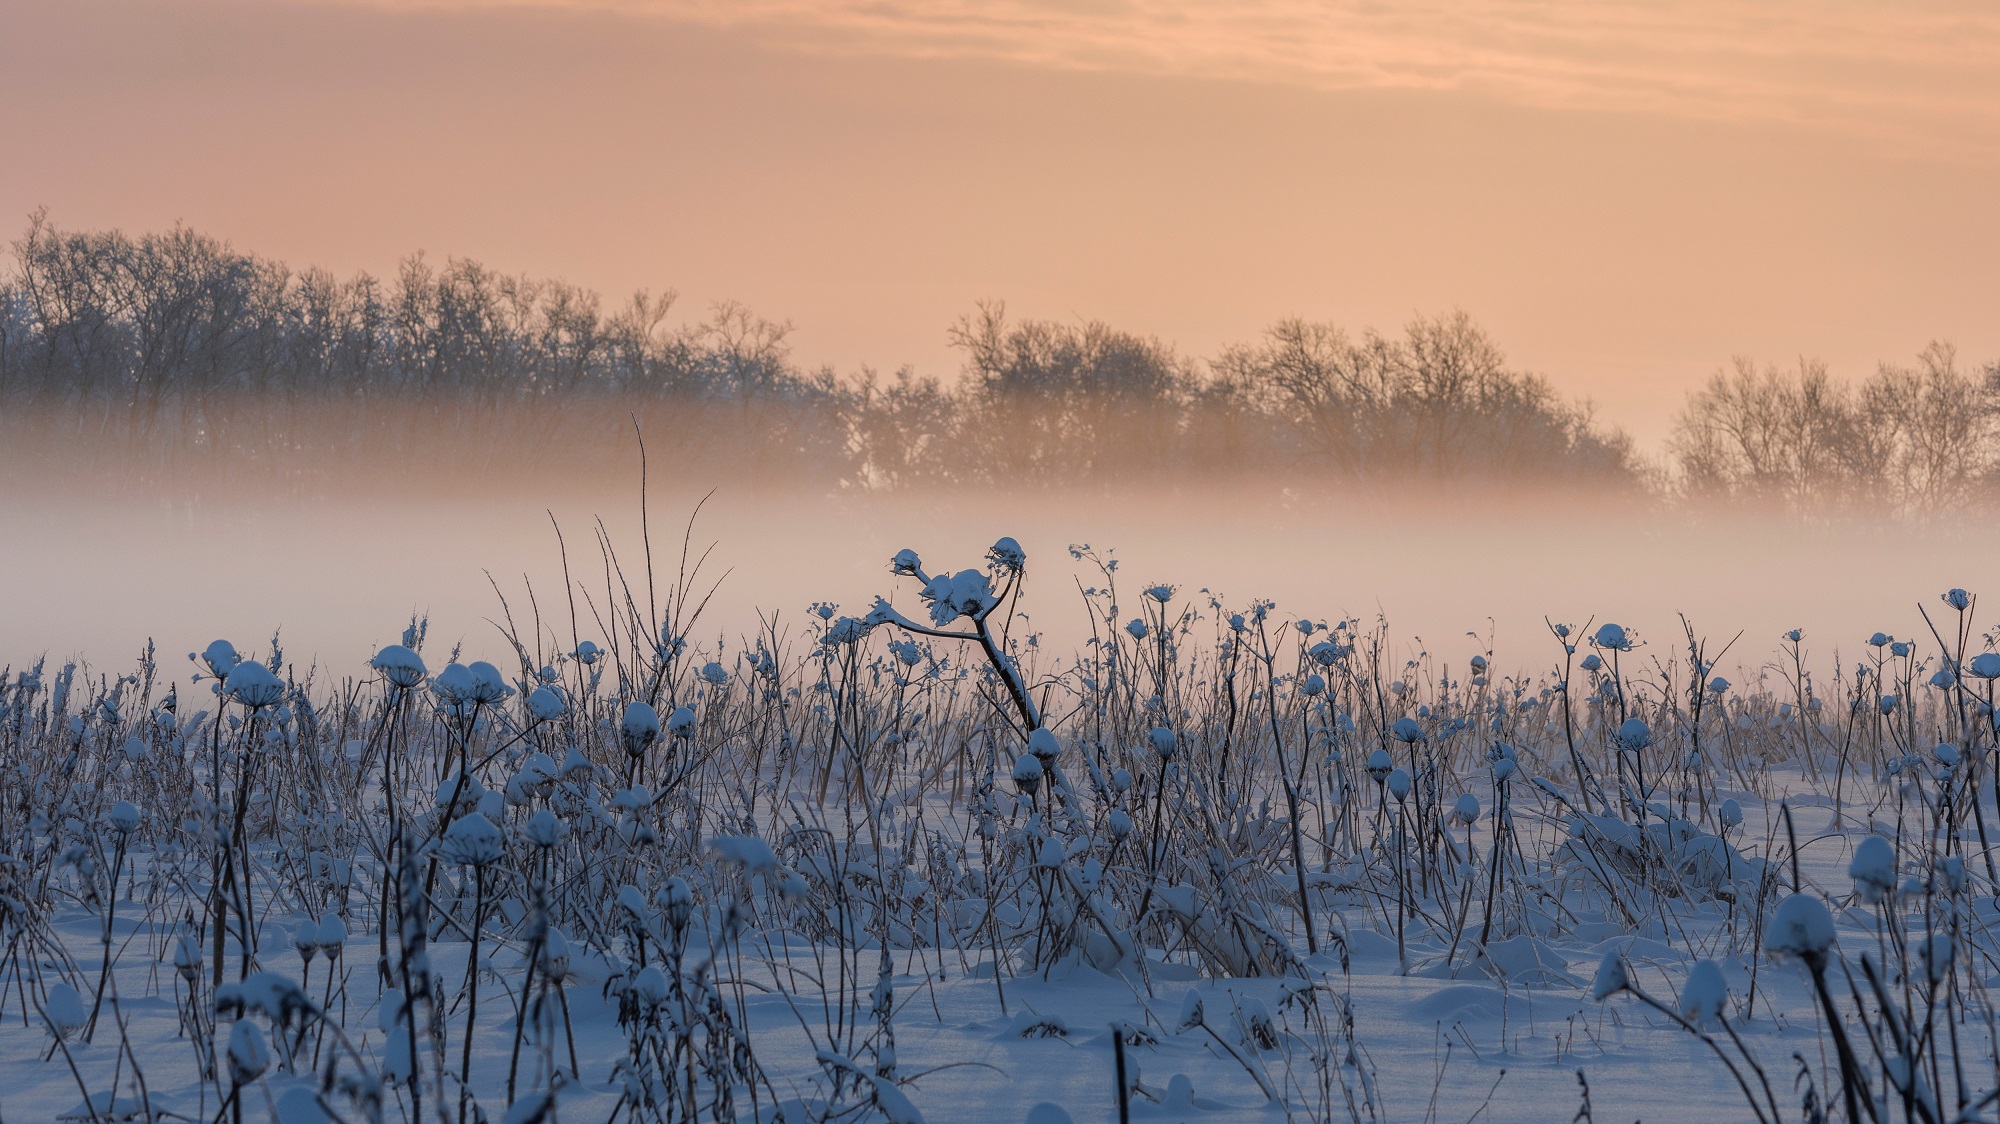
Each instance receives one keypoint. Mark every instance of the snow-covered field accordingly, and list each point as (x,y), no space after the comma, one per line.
(1219,863)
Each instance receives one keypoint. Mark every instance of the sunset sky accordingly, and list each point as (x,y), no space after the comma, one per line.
(1627,194)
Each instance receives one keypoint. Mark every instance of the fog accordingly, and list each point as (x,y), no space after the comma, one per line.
(95,577)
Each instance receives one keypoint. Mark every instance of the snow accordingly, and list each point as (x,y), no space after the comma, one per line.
(967,593)
(904,910)
(253,685)
(473,840)
(748,851)
(1801,927)
(1043,744)
(1705,994)
(1873,868)
(249,1056)
(546,704)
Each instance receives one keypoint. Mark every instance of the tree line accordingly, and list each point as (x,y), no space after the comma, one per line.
(171,356)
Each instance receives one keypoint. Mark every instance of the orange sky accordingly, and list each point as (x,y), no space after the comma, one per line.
(1626,193)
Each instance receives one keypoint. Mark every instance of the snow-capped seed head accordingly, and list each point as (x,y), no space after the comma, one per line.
(544,829)
(1592,662)
(1466,810)
(1407,730)
(249,1056)
(1801,927)
(846,630)
(968,593)
(1956,598)
(1950,875)
(221,658)
(458,790)
(1873,868)
(639,728)
(1634,735)
(1942,680)
(1936,955)
(749,851)
(1946,754)
(332,935)
(546,704)
(906,563)
(123,817)
(488,686)
(400,666)
(1612,637)
(586,653)
(1379,765)
(1399,783)
(1880,640)
(1042,743)
(629,909)
(1050,855)
(1314,686)
(1611,977)
(1478,663)
(1165,742)
(472,840)
(1119,822)
(1326,653)
(1007,555)
(677,903)
(1718,685)
(649,987)
(1899,648)
(251,684)
(1028,773)
(65,1009)
(455,684)
(539,768)
(187,957)
(1160,593)
(1985,665)
(681,722)
(1888,704)
(1237,623)
(1137,628)
(555,954)
(305,939)
(1729,814)
(1120,780)
(1705,994)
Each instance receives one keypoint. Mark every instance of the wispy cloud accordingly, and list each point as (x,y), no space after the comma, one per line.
(1912,75)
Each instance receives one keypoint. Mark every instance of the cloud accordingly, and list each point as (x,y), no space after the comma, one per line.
(1916,76)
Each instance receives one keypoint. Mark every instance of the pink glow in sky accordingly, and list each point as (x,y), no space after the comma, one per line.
(1627,194)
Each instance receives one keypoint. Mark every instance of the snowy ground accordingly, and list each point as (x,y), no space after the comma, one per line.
(1436,1046)
(1296,873)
